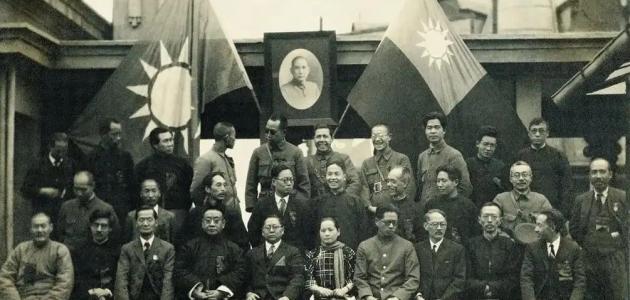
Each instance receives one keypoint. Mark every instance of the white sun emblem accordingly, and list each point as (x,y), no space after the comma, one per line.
(435,44)
(168,93)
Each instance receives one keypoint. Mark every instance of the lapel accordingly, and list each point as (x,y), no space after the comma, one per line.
(612,201)
(541,251)
(137,249)
(277,255)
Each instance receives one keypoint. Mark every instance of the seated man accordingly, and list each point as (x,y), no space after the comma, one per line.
(95,261)
(145,267)
(442,261)
(552,267)
(386,264)
(521,205)
(275,268)
(210,266)
(494,259)
(151,195)
(37,269)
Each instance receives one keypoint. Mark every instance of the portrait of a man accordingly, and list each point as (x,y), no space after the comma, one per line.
(299,91)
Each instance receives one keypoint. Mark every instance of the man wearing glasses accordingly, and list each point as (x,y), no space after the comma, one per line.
(277,150)
(550,167)
(521,205)
(386,264)
(292,211)
(442,261)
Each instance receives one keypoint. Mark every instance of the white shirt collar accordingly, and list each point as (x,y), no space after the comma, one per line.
(278,199)
(156,209)
(275,246)
(52,159)
(150,241)
(437,245)
(604,194)
(556,246)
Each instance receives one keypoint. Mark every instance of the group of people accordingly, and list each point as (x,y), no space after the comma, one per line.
(319,227)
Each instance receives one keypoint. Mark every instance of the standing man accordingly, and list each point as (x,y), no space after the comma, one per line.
(438,154)
(292,211)
(113,169)
(49,181)
(217,161)
(550,167)
(442,261)
(145,267)
(74,216)
(386,264)
(520,205)
(494,259)
(316,164)
(486,171)
(459,209)
(272,153)
(175,173)
(210,266)
(598,224)
(374,170)
(552,267)
(95,261)
(150,195)
(275,268)
(38,269)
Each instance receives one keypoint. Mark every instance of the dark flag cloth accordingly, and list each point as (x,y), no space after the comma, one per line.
(154,84)
(422,65)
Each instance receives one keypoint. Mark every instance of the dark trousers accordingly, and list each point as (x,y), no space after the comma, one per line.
(606,276)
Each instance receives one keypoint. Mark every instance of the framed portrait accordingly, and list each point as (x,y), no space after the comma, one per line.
(301,75)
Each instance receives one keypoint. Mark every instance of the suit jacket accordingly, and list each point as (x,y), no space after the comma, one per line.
(132,268)
(615,203)
(282,275)
(538,272)
(442,275)
(165,226)
(296,221)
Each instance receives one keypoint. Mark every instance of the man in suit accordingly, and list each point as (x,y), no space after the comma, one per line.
(145,267)
(210,266)
(442,261)
(292,210)
(73,228)
(275,268)
(552,267)
(598,224)
(151,195)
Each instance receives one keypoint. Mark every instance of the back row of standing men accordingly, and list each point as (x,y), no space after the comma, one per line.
(443,182)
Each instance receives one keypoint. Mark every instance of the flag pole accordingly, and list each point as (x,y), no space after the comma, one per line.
(193,144)
(343,116)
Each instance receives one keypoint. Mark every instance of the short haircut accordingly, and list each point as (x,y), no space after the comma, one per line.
(57,137)
(491,204)
(434,115)
(487,130)
(155,179)
(322,126)
(146,207)
(207,181)
(296,58)
(329,218)
(105,125)
(222,129)
(405,173)
(154,135)
(219,208)
(283,120)
(537,121)
(520,163)
(277,169)
(435,210)
(382,125)
(599,158)
(337,162)
(273,216)
(41,213)
(452,172)
(102,214)
(555,218)
(387,208)
(88,174)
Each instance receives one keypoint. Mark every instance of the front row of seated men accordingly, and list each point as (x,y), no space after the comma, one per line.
(212,267)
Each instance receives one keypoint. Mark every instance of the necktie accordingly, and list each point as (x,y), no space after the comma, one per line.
(435,249)
(146,249)
(552,252)
(283,205)
(57,162)
(598,198)
(270,251)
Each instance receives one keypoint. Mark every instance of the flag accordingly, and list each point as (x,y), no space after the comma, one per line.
(422,65)
(182,61)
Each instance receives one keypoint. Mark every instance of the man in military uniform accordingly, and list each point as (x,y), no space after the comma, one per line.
(275,151)
(316,164)
(375,169)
